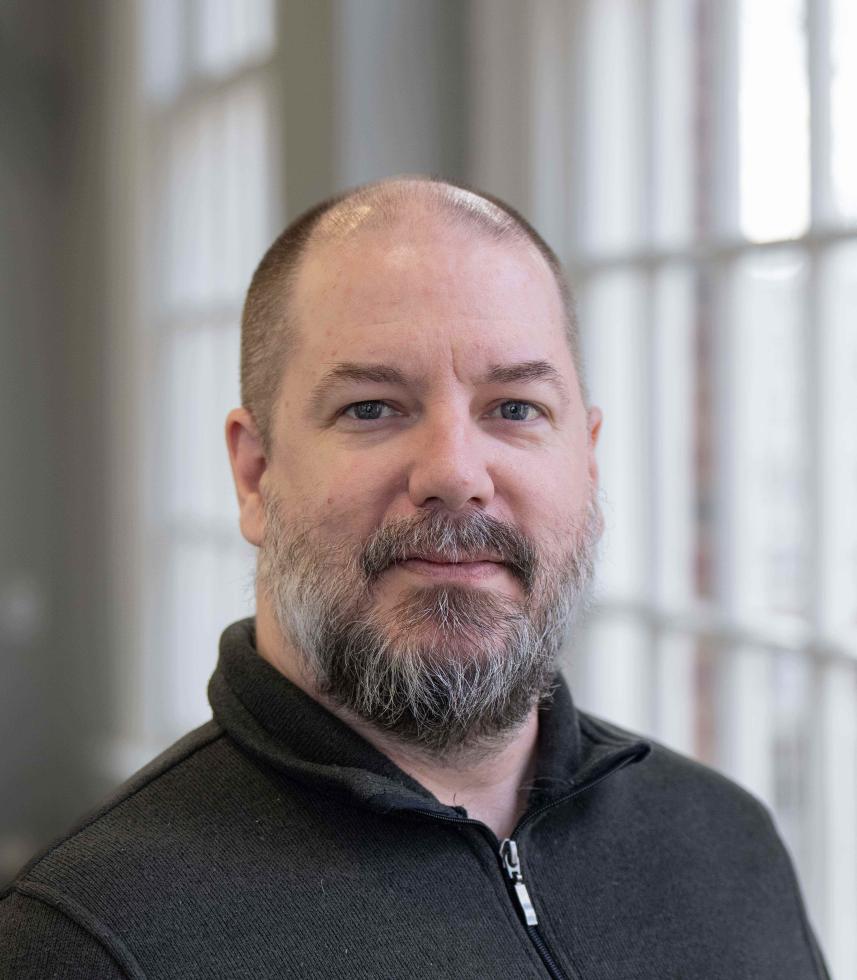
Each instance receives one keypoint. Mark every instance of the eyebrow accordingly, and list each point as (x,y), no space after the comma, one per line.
(527,371)
(350,371)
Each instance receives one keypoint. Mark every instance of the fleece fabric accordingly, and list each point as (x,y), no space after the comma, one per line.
(275,842)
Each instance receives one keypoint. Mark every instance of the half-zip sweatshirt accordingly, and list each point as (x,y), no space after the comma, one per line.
(275,842)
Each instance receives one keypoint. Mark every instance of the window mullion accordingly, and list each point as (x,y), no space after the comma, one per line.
(820,790)
(718,198)
(819,68)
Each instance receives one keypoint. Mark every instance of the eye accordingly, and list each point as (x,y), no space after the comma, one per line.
(519,411)
(365,411)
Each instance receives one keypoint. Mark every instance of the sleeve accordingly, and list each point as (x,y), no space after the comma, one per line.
(37,942)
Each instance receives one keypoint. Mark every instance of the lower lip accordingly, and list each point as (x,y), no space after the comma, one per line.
(454,570)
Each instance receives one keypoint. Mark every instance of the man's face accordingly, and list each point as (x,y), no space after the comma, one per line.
(438,451)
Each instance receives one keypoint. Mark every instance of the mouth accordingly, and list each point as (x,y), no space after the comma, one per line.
(435,566)
(438,559)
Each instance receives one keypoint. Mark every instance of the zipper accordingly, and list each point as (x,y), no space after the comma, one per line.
(512,866)
(507,851)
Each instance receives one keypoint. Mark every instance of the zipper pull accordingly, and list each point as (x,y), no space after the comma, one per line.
(512,867)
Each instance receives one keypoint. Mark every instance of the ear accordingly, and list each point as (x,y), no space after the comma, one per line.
(248,462)
(593,428)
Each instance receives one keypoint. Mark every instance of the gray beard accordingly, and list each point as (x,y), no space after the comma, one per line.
(448,669)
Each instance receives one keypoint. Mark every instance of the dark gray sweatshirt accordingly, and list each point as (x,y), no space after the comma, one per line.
(275,842)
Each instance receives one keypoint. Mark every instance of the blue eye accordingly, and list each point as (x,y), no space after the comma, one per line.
(519,411)
(366,411)
(370,411)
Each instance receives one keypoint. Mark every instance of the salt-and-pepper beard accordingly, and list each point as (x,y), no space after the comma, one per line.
(448,669)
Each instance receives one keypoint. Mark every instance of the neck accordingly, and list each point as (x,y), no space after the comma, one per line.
(490,782)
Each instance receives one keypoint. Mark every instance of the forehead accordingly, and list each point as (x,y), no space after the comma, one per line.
(422,283)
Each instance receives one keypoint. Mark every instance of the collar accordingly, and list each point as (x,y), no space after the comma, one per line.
(275,722)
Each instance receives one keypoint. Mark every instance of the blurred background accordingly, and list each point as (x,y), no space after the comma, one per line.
(694,162)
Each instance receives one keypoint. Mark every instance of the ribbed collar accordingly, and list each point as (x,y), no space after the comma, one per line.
(275,721)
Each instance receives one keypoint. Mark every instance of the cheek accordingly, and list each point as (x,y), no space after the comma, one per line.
(350,480)
(551,499)
(350,498)
(576,471)
(322,477)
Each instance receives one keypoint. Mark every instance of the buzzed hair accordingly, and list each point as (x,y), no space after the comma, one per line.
(269,336)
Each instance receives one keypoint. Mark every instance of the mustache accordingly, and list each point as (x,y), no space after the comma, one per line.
(450,536)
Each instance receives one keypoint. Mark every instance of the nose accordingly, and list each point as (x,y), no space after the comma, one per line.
(449,465)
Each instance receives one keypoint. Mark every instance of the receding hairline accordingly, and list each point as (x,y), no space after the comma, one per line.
(396,199)
(415,201)
(354,225)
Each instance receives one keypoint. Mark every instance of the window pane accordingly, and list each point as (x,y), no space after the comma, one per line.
(709,662)
(746,719)
(774,119)
(202,364)
(674,76)
(675,692)
(250,171)
(615,353)
(674,450)
(839,439)
(225,395)
(218,187)
(230,33)
(162,36)
(193,631)
(768,435)
(843,99)
(207,589)
(185,492)
(613,140)
(766,723)
(616,676)
(792,682)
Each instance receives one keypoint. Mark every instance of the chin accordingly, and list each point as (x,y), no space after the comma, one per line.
(455,622)
(433,643)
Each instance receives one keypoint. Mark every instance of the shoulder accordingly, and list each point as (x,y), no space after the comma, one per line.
(38,940)
(689,785)
(65,903)
(166,779)
(709,829)
(707,818)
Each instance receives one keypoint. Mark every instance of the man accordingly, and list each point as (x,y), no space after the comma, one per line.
(396,782)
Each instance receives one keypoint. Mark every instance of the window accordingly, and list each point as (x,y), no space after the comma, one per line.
(208,97)
(714,181)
